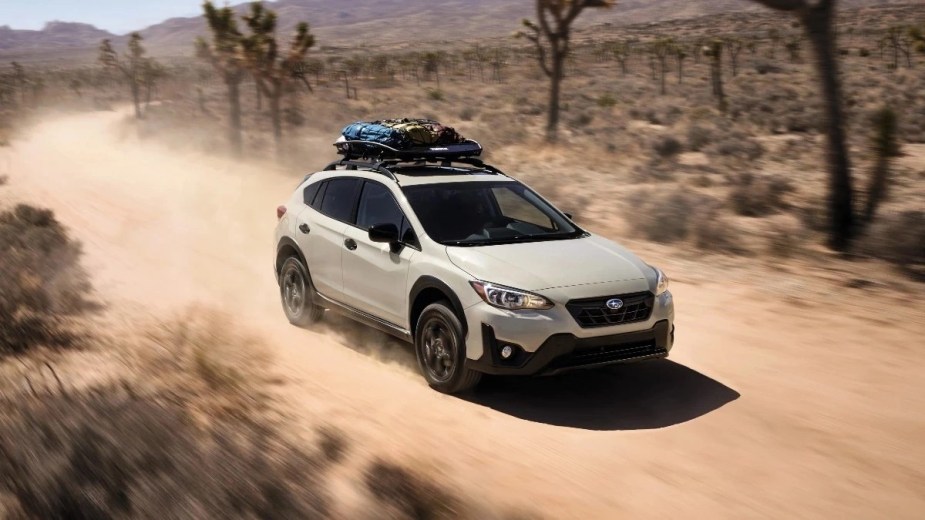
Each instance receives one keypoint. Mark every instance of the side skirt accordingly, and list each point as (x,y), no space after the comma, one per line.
(365,318)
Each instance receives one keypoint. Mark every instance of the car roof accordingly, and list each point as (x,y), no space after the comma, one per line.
(415,175)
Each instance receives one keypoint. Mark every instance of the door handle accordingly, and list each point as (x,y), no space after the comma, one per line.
(305,229)
(350,244)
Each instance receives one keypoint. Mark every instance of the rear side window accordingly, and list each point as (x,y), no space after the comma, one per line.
(310,192)
(340,198)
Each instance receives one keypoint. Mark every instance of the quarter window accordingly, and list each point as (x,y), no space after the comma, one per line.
(310,192)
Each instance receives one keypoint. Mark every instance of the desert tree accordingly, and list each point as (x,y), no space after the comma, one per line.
(734,46)
(794,45)
(713,50)
(899,40)
(661,49)
(817,18)
(270,69)
(225,56)
(131,66)
(152,73)
(884,146)
(19,79)
(551,35)
(621,52)
(774,38)
(498,58)
(680,54)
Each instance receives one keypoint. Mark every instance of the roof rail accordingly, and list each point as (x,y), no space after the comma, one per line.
(354,165)
(387,166)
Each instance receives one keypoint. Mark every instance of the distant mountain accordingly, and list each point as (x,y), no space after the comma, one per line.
(55,35)
(377,22)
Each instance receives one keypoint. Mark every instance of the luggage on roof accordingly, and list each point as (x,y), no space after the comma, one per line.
(405,139)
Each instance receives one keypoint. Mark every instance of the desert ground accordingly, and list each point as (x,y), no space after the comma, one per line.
(789,393)
(795,387)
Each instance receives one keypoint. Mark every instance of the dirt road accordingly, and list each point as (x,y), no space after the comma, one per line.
(788,394)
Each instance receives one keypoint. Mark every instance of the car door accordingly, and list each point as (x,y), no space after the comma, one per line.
(320,232)
(375,276)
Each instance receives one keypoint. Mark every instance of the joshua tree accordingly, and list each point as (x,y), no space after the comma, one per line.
(19,80)
(714,51)
(621,53)
(680,54)
(817,17)
(272,71)
(551,34)
(131,66)
(151,73)
(884,147)
(734,46)
(660,50)
(793,46)
(224,54)
(900,41)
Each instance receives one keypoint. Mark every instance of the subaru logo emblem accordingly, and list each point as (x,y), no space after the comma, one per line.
(615,304)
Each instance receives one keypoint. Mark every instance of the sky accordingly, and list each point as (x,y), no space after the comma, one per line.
(117,16)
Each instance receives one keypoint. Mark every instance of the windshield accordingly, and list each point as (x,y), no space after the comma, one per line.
(486,213)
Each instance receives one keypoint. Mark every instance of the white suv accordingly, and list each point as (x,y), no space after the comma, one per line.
(474,268)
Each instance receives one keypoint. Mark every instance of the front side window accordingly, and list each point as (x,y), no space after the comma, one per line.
(339,199)
(487,213)
(378,206)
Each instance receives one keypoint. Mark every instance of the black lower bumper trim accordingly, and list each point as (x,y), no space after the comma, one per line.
(564,352)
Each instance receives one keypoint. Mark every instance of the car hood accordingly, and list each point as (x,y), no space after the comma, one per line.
(591,266)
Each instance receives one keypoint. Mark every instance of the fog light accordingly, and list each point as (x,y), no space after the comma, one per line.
(507,352)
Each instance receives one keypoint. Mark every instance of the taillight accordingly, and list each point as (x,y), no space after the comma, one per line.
(280,211)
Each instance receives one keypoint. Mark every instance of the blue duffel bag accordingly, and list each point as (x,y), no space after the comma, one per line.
(376,133)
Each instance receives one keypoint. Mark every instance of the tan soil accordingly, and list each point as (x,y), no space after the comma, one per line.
(788,394)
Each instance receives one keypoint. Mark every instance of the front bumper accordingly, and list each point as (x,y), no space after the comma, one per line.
(565,352)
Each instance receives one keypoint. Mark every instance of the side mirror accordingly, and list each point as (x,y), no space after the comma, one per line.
(385,234)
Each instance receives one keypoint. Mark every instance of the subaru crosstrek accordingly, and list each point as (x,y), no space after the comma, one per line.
(476,270)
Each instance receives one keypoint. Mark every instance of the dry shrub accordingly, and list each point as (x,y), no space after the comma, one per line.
(898,238)
(667,147)
(406,495)
(221,369)
(670,216)
(110,455)
(699,137)
(759,196)
(4,179)
(42,283)
(737,145)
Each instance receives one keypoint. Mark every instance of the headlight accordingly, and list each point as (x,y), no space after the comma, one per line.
(661,281)
(507,298)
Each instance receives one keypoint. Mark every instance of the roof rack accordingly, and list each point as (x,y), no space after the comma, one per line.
(387,167)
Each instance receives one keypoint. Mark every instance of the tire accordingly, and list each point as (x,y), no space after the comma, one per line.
(296,291)
(440,348)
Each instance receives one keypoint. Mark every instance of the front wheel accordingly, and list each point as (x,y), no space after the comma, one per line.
(441,351)
(295,290)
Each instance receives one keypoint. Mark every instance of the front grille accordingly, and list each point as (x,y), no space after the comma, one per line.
(608,354)
(593,312)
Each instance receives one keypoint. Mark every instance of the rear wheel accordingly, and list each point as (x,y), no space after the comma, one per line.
(295,290)
(441,351)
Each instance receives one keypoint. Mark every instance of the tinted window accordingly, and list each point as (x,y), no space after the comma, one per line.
(310,192)
(483,213)
(378,206)
(340,198)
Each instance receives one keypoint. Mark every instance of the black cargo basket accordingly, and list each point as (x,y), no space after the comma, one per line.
(372,150)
